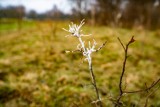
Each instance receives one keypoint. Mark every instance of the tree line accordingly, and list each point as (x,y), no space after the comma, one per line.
(19,12)
(122,13)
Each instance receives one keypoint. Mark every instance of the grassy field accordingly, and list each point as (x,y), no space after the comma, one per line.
(35,71)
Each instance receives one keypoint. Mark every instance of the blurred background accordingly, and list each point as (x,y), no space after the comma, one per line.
(35,71)
(123,13)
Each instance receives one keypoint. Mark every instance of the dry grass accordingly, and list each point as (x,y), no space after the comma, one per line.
(36,71)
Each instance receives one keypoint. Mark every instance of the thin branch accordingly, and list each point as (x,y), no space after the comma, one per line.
(146,102)
(68,51)
(101,46)
(121,43)
(146,86)
(121,92)
(146,89)
(98,101)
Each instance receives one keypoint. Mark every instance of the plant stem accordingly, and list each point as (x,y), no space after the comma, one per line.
(122,74)
(95,85)
(82,44)
(121,92)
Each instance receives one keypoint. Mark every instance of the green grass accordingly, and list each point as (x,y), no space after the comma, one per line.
(14,25)
(36,71)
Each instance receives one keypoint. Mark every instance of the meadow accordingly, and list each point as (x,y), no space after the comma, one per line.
(35,70)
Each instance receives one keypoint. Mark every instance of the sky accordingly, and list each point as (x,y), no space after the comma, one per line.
(39,6)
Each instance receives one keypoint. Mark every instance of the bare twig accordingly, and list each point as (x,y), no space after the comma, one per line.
(121,91)
(146,102)
(68,51)
(121,43)
(146,89)
(95,86)
(101,46)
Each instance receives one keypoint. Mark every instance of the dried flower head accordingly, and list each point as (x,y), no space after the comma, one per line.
(75,30)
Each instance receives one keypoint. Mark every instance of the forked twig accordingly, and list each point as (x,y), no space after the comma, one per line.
(121,91)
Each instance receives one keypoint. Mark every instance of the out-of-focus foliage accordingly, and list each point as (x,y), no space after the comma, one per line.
(12,12)
(129,13)
(18,12)
(121,13)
